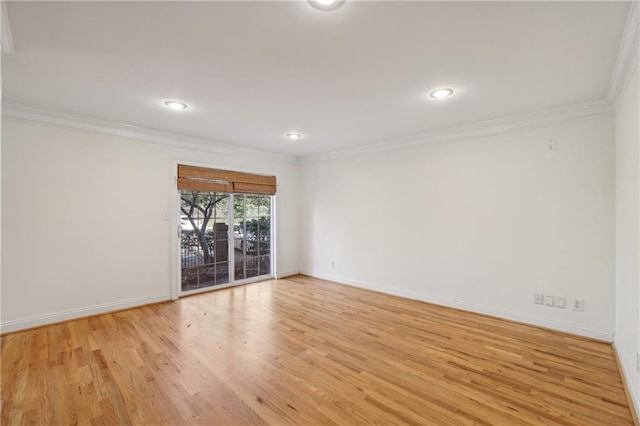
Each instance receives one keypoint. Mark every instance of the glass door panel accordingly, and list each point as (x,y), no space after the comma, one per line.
(252,235)
(204,239)
(263,235)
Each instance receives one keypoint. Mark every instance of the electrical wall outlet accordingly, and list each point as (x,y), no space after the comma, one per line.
(638,361)
(557,301)
(577,305)
(333,264)
(552,144)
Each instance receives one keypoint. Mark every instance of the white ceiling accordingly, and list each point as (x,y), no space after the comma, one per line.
(253,71)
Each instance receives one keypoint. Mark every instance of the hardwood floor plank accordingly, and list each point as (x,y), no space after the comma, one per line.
(306,351)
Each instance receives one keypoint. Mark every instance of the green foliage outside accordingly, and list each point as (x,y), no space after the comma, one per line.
(252,217)
(252,226)
(200,208)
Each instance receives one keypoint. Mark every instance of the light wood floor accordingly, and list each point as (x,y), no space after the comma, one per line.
(305,351)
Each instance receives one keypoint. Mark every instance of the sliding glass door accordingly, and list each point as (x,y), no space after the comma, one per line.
(221,229)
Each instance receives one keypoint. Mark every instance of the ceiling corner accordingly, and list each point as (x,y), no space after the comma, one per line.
(627,58)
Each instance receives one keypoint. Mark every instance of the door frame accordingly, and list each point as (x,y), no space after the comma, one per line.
(174,231)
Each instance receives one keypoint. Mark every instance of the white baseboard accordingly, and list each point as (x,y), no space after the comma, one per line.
(628,378)
(286,274)
(22,324)
(602,335)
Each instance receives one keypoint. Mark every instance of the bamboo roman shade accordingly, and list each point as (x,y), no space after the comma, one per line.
(194,178)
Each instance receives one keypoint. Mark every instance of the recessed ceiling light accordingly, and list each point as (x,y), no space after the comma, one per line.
(326,4)
(294,136)
(441,93)
(175,105)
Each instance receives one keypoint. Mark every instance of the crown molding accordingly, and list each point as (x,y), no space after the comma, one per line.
(41,115)
(7,38)
(579,111)
(627,58)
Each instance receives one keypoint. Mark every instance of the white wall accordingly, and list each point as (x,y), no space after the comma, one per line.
(480,224)
(83,228)
(627,336)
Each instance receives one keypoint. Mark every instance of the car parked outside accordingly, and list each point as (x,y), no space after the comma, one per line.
(185,224)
